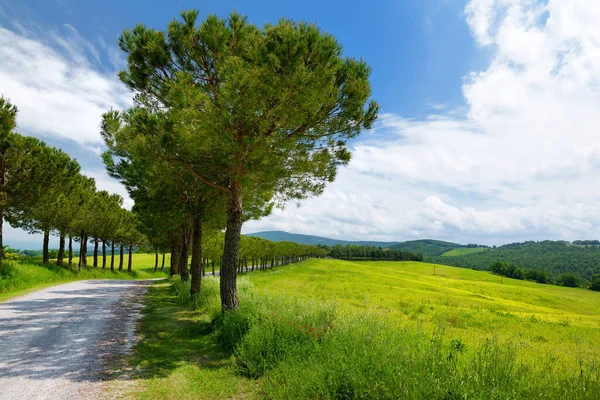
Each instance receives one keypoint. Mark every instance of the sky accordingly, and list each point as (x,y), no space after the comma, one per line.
(489,130)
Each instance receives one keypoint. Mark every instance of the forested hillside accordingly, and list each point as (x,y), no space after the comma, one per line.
(428,247)
(556,257)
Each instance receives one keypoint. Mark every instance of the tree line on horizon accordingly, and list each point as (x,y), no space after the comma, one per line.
(369,253)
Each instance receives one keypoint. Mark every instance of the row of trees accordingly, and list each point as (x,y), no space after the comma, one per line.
(43,191)
(255,253)
(541,276)
(230,120)
(357,252)
(511,271)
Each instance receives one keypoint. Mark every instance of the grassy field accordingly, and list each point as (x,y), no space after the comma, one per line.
(461,251)
(20,277)
(338,329)
(547,321)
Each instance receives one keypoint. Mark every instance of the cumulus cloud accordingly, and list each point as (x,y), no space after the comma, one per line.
(55,82)
(61,87)
(521,163)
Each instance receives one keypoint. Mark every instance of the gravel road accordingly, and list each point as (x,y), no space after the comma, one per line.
(58,342)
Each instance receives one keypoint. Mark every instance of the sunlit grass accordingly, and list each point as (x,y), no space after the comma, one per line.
(19,277)
(331,329)
(461,251)
(549,321)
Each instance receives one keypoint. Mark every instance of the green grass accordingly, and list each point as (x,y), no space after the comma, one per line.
(20,277)
(461,251)
(329,329)
(178,356)
(550,321)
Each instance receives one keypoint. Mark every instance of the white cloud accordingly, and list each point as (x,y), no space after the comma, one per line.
(523,163)
(52,81)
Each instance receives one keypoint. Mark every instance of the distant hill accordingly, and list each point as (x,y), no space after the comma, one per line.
(281,236)
(428,247)
(581,257)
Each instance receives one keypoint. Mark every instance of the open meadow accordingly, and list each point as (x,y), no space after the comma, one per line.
(471,306)
(332,329)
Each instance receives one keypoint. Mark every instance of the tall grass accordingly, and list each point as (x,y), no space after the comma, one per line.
(309,349)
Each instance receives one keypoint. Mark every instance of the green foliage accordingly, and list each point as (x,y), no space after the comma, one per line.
(568,280)
(595,283)
(240,116)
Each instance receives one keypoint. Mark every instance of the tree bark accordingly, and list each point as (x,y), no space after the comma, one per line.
(61,250)
(129,262)
(120,257)
(112,256)
(184,251)
(162,267)
(174,257)
(81,244)
(45,252)
(104,254)
(85,242)
(155,260)
(196,265)
(95,253)
(228,284)
(213,266)
(70,250)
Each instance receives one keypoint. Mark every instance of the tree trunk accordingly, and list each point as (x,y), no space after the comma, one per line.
(155,260)
(61,250)
(81,244)
(85,242)
(112,256)
(121,257)
(95,253)
(45,253)
(228,284)
(162,267)
(196,265)
(70,250)
(104,254)
(175,256)
(129,262)
(1,229)
(213,266)
(184,253)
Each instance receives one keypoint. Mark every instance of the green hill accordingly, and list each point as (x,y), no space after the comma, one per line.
(461,251)
(555,257)
(281,236)
(427,247)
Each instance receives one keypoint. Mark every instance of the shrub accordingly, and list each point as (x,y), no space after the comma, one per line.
(569,280)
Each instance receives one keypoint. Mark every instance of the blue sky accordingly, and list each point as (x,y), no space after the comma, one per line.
(487,109)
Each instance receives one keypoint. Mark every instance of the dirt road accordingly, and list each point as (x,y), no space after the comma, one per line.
(58,342)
